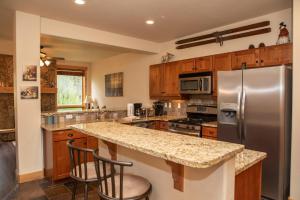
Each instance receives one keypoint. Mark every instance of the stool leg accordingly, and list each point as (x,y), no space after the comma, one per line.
(74,190)
(86,191)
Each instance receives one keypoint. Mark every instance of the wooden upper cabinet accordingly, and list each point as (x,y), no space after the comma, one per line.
(250,57)
(187,66)
(276,55)
(164,80)
(221,62)
(170,82)
(203,64)
(155,78)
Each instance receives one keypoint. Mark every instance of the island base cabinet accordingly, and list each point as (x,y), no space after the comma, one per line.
(248,183)
(56,152)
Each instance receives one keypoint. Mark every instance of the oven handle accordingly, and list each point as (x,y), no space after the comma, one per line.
(184,132)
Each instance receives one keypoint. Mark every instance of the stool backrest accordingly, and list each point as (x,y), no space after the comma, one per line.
(78,161)
(110,185)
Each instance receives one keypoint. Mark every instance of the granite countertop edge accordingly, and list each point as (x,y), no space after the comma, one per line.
(247,159)
(227,154)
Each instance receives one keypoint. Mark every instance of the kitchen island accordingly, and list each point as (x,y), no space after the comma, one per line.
(178,166)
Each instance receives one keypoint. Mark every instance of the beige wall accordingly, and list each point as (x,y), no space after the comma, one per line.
(7,47)
(295,174)
(136,66)
(27,112)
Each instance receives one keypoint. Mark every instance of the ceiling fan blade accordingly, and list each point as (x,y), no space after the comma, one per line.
(55,58)
(45,46)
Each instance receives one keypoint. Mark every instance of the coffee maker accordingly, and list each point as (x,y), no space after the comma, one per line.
(158,108)
(137,107)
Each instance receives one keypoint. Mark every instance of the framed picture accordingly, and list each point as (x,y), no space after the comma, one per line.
(30,73)
(29,92)
(114,85)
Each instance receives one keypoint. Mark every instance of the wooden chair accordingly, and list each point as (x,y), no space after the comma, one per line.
(82,171)
(119,186)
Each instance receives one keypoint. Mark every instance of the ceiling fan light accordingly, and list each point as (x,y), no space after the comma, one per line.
(47,62)
(41,63)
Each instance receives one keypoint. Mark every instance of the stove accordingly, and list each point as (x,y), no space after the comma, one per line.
(196,115)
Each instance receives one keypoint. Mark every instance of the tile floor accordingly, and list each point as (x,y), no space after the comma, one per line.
(45,190)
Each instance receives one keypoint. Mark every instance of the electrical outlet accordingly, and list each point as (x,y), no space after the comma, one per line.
(69,116)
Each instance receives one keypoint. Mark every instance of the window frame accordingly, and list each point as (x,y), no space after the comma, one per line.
(71,69)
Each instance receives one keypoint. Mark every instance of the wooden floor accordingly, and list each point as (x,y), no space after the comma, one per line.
(7,168)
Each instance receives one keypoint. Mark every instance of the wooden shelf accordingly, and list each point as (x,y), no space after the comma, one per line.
(6,90)
(45,90)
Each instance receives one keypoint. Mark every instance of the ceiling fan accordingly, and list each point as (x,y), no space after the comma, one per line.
(47,60)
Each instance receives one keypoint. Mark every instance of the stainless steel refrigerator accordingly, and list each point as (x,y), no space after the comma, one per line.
(254,109)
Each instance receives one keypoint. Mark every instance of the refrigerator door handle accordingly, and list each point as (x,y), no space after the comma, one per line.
(243,102)
(238,116)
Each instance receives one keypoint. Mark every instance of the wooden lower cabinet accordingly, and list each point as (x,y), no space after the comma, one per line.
(61,161)
(248,183)
(161,125)
(56,152)
(209,132)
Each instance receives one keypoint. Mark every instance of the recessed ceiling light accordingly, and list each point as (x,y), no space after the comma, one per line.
(150,22)
(80,2)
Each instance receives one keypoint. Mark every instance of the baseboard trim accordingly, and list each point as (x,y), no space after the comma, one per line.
(22,178)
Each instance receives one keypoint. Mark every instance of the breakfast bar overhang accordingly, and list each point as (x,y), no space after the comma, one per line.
(178,166)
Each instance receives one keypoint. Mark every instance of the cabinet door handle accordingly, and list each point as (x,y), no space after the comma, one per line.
(262,61)
(70,135)
(256,61)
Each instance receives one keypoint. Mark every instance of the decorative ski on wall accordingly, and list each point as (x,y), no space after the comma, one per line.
(220,37)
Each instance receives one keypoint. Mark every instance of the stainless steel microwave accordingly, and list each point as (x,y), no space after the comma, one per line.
(196,83)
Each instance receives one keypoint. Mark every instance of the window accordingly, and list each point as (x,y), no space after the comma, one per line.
(70,88)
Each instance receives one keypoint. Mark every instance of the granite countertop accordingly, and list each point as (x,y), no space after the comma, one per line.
(165,118)
(213,124)
(46,114)
(247,159)
(66,125)
(189,151)
(63,126)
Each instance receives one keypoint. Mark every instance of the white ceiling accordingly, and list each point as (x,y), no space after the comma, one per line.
(74,50)
(174,18)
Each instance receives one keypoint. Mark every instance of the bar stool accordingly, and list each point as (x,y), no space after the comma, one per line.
(82,171)
(119,186)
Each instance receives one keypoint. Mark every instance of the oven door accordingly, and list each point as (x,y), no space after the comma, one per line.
(205,86)
(189,86)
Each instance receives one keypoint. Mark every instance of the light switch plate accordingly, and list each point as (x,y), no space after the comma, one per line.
(69,116)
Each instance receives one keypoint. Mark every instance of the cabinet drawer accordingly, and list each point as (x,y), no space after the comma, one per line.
(163,125)
(209,132)
(66,135)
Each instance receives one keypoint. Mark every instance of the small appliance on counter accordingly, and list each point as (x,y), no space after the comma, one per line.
(137,107)
(158,108)
(130,110)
